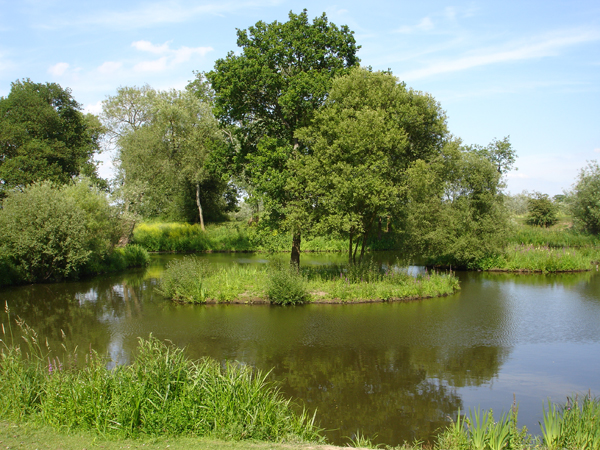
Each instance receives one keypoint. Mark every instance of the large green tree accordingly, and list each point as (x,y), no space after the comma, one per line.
(272,88)
(352,164)
(164,141)
(45,136)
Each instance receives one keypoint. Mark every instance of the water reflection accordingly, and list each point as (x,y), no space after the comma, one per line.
(397,370)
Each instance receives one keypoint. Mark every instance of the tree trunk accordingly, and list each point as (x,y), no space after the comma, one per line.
(350,249)
(295,259)
(199,206)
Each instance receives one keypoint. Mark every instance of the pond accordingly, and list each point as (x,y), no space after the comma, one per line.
(394,370)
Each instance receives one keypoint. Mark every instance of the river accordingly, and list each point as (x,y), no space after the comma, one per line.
(394,371)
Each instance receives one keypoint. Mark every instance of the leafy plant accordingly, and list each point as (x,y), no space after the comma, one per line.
(286,285)
(541,210)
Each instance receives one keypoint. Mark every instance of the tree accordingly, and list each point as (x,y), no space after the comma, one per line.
(353,162)
(584,199)
(541,210)
(164,141)
(454,207)
(45,136)
(271,89)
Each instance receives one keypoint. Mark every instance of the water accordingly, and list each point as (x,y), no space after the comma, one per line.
(397,370)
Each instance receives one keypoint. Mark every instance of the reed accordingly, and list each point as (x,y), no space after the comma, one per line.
(162,393)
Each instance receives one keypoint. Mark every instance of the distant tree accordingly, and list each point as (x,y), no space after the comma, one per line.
(541,210)
(269,90)
(351,166)
(517,203)
(45,136)
(164,141)
(584,200)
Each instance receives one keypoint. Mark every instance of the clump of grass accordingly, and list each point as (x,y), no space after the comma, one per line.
(161,393)
(286,285)
(576,425)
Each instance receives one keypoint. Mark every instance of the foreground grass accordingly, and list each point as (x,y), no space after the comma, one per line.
(162,393)
(192,280)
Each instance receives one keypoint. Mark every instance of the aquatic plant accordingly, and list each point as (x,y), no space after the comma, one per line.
(161,393)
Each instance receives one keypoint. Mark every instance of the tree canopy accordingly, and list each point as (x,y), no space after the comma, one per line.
(584,199)
(273,87)
(164,141)
(45,136)
(352,164)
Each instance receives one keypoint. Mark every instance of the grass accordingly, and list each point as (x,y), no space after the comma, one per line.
(192,280)
(236,237)
(528,258)
(554,237)
(162,393)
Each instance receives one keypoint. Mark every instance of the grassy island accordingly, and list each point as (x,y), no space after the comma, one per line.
(192,280)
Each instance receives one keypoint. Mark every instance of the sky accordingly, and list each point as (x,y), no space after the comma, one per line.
(525,69)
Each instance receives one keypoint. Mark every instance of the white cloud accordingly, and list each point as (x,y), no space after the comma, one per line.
(597,150)
(536,48)
(156,65)
(147,46)
(58,69)
(109,67)
(425,24)
(94,108)
(170,58)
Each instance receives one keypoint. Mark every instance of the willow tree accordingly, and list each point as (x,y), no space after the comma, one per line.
(271,89)
(354,155)
(164,141)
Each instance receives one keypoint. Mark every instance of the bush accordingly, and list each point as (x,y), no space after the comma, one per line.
(541,210)
(44,233)
(285,285)
(585,198)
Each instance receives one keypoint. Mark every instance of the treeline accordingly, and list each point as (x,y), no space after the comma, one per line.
(56,218)
(294,128)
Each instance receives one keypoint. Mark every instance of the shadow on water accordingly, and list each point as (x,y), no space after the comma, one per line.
(397,370)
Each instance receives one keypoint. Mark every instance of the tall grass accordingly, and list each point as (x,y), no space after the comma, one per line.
(552,237)
(191,280)
(161,393)
(238,237)
(541,259)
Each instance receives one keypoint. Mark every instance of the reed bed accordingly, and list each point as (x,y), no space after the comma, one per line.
(528,258)
(192,280)
(553,237)
(162,393)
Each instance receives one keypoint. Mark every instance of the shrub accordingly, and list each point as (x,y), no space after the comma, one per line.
(44,233)
(285,285)
(585,198)
(541,211)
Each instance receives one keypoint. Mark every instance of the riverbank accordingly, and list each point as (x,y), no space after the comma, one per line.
(192,280)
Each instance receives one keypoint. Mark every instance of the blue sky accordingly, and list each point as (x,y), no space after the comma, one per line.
(528,69)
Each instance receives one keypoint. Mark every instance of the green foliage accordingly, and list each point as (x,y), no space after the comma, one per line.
(541,210)
(357,150)
(455,211)
(281,75)
(44,233)
(44,136)
(527,258)
(286,285)
(585,198)
(551,237)
(161,393)
(55,232)
(165,140)
(190,280)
